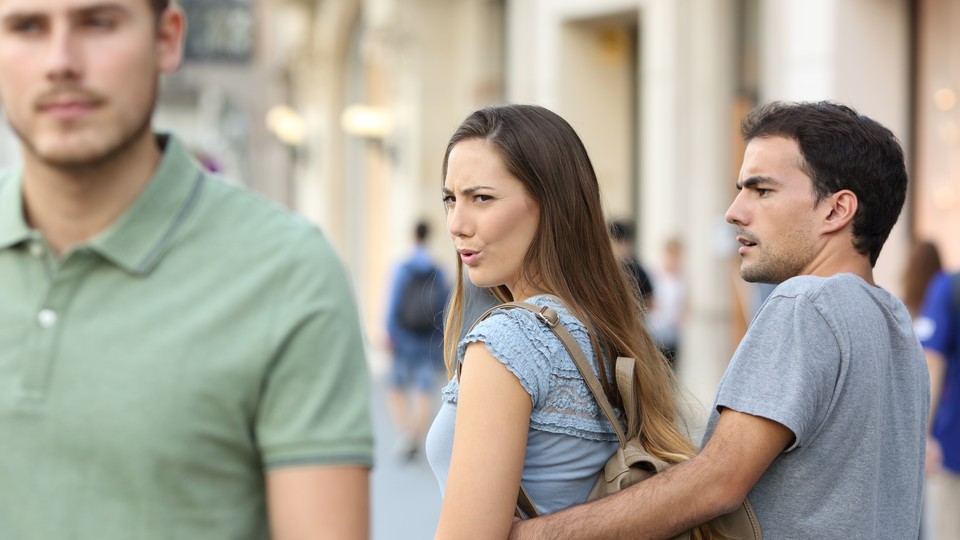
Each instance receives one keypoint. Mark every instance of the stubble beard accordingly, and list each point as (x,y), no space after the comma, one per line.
(126,139)
(771,269)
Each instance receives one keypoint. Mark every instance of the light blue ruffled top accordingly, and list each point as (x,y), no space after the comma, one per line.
(569,439)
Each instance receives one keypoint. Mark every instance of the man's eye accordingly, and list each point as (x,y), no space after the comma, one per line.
(483,198)
(102,23)
(448,199)
(26,26)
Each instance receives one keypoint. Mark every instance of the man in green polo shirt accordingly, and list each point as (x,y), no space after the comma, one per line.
(178,358)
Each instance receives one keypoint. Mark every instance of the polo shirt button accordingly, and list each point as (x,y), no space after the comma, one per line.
(47,318)
(36,249)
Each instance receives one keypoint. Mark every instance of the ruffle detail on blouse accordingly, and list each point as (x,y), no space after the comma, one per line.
(562,402)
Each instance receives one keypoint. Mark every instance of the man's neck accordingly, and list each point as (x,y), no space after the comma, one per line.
(837,258)
(71,206)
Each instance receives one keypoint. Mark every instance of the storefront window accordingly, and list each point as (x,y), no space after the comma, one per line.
(221,30)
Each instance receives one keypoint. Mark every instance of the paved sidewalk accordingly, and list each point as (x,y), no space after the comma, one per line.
(405,497)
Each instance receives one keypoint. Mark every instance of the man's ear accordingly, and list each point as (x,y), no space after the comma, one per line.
(171,29)
(841,207)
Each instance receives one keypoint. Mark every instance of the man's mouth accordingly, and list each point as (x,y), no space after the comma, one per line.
(744,238)
(67,105)
(746,241)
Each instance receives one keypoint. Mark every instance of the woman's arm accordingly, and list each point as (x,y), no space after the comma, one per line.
(489,444)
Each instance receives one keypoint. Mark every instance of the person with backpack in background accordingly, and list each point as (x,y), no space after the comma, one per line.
(938,328)
(414,326)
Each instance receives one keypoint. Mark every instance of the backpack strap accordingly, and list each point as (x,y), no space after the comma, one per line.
(627,386)
(525,507)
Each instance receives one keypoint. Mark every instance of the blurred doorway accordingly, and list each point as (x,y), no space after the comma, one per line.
(598,94)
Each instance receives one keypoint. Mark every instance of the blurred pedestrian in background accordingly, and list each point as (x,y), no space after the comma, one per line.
(179,358)
(923,263)
(938,327)
(415,328)
(524,212)
(665,318)
(623,233)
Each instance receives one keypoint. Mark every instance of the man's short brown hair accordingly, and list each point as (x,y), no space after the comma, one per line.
(159,5)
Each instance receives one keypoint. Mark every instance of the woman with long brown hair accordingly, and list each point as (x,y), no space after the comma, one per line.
(923,264)
(524,213)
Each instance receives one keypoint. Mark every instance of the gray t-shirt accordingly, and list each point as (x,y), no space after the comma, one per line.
(836,361)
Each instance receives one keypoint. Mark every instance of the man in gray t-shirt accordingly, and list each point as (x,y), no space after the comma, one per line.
(820,419)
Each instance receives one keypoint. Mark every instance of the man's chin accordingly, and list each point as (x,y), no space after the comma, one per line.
(759,277)
(73,153)
(71,160)
(752,275)
(63,150)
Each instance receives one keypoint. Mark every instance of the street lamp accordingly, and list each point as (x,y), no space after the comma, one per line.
(287,125)
(366,121)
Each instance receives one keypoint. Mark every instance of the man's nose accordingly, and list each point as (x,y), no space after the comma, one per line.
(63,59)
(735,213)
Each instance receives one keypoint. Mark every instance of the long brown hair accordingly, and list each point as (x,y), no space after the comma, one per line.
(573,259)
(922,264)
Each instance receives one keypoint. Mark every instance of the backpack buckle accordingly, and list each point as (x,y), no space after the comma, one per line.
(548,316)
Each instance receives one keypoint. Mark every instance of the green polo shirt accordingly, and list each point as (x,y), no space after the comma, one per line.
(149,377)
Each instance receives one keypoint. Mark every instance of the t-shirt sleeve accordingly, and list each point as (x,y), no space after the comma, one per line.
(314,404)
(514,338)
(937,320)
(786,368)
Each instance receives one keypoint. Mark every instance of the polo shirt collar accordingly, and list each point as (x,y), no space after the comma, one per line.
(140,237)
(13,226)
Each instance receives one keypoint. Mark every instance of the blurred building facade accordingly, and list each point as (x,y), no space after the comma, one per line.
(671,79)
(382,84)
(234,71)
(341,109)
(656,89)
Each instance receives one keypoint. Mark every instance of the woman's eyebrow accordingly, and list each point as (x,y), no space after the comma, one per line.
(466,190)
